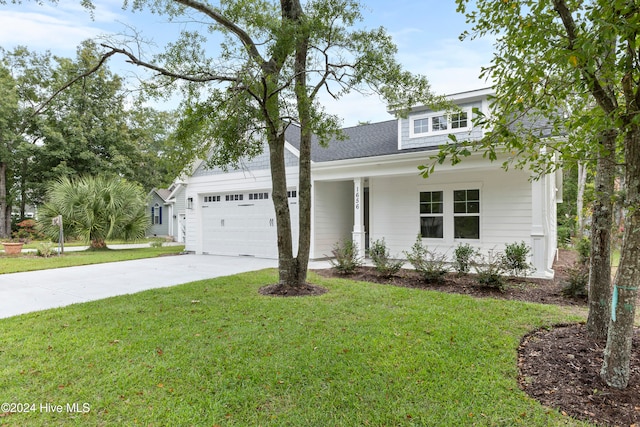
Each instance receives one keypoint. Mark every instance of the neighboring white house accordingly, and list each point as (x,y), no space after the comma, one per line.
(367,187)
(167,212)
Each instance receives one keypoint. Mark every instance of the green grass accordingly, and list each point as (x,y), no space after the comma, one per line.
(31,262)
(216,352)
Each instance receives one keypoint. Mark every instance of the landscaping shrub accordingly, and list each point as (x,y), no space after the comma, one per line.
(156,244)
(432,266)
(345,257)
(577,280)
(384,264)
(564,236)
(463,258)
(515,259)
(490,270)
(44,249)
(583,247)
(26,231)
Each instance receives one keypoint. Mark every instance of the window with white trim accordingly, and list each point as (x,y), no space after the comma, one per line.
(466,214)
(450,213)
(439,123)
(431,214)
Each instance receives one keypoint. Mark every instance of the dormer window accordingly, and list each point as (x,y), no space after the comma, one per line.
(439,123)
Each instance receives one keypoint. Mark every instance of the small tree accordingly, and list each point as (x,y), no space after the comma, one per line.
(95,209)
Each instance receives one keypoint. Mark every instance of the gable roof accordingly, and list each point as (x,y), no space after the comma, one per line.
(163,193)
(367,140)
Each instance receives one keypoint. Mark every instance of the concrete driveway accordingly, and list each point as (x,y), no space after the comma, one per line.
(38,290)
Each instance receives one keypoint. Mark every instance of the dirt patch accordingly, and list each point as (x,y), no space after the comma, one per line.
(559,366)
(276,290)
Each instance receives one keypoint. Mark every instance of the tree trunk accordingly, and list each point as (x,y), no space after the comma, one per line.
(304,162)
(582,181)
(601,224)
(617,354)
(287,264)
(97,244)
(5,212)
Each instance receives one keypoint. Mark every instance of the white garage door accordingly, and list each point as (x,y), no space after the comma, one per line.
(242,224)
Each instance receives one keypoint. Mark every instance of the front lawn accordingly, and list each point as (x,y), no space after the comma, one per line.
(216,352)
(30,262)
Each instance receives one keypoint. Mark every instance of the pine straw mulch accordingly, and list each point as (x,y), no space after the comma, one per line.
(559,366)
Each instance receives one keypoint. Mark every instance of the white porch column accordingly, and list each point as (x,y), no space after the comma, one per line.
(358,215)
(538,229)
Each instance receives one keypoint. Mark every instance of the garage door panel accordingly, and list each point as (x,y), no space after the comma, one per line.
(240,228)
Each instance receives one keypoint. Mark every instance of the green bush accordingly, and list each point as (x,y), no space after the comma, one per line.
(44,249)
(490,270)
(345,257)
(564,236)
(384,264)
(432,266)
(463,258)
(577,281)
(156,244)
(583,247)
(515,259)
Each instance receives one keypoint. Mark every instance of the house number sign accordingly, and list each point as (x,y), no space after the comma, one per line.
(357,197)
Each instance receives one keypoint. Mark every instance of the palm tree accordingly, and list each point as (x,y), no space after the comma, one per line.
(95,209)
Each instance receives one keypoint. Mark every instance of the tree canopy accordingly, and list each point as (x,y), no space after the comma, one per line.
(573,68)
(274,60)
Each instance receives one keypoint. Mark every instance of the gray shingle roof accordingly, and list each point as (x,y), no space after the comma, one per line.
(367,140)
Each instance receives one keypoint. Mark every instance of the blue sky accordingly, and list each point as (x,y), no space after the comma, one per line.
(425,31)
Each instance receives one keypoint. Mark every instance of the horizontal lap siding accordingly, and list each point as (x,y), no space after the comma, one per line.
(505,208)
(394,212)
(333,215)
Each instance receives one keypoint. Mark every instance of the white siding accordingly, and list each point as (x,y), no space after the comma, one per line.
(505,208)
(333,215)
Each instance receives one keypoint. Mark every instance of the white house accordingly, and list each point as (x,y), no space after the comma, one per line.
(367,187)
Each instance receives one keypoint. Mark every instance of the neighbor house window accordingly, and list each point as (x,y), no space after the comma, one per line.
(466,214)
(156,214)
(431,214)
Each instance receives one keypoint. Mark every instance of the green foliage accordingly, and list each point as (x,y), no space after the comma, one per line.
(156,244)
(95,209)
(345,257)
(384,264)
(490,270)
(431,265)
(44,249)
(75,258)
(583,247)
(516,258)
(577,281)
(463,257)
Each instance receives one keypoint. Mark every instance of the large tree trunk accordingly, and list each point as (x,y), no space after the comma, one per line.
(617,354)
(304,113)
(287,264)
(5,212)
(602,221)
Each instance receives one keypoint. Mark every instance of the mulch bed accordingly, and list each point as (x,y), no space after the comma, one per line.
(559,366)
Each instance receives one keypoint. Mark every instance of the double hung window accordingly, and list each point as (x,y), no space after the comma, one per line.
(450,214)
